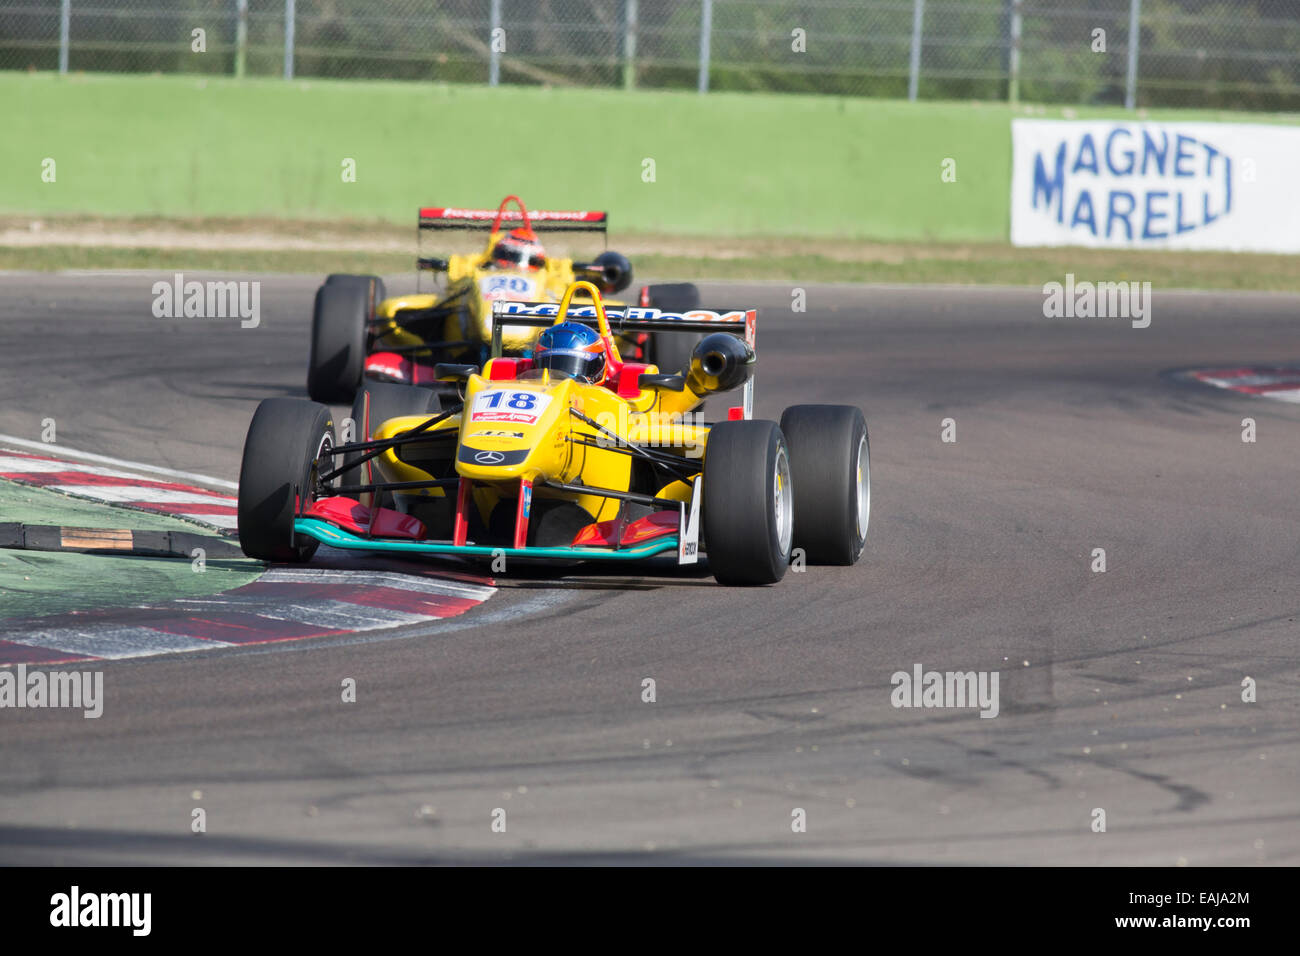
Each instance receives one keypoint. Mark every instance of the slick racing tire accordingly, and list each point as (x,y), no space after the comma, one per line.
(338,340)
(387,400)
(555,523)
(830,460)
(748,519)
(671,351)
(278,476)
(552,523)
(373,286)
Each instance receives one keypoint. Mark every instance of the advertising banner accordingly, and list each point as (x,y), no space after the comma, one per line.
(1146,185)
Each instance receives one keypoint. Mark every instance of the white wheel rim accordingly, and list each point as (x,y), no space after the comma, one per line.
(783,510)
(864,488)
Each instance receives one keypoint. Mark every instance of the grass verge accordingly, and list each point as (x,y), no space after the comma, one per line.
(733,164)
(34,583)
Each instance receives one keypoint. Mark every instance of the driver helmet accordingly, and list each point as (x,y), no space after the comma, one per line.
(571,349)
(519,249)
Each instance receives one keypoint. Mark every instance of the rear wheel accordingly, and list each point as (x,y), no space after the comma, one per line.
(552,522)
(338,339)
(748,503)
(387,400)
(279,476)
(830,458)
(671,351)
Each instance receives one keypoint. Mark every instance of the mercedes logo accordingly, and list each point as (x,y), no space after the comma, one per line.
(489,458)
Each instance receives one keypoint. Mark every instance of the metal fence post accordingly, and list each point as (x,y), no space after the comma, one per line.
(241,37)
(289,17)
(629,44)
(914,72)
(65,28)
(706,42)
(494,55)
(1134,40)
(1013,55)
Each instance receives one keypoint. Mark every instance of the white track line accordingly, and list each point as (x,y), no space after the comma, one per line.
(59,450)
(37,466)
(229,522)
(112,642)
(378,579)
(127,494)
(326,613)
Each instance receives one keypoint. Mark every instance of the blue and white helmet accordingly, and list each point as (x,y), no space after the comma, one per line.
(571,349)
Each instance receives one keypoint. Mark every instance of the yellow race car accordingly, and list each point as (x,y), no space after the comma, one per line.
(568,452)
(359,333)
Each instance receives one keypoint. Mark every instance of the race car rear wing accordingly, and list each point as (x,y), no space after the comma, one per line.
(495,220)
(738,322)
(541,220)
(742,323)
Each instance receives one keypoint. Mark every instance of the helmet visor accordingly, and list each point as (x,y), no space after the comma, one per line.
(514,255)
(576,363)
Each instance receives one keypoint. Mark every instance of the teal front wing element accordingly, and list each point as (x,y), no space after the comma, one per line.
(327,533)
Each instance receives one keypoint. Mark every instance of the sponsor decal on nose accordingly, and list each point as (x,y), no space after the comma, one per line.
(488,457)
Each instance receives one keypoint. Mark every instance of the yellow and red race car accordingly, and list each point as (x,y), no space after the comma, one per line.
(568,453)
(358,332)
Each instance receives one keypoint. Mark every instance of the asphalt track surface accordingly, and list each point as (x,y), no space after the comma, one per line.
(1119,690)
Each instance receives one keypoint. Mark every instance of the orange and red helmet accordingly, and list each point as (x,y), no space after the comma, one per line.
(519,249)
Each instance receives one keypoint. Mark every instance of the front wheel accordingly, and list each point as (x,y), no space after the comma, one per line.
(285,453)
(748,502)
(830,456)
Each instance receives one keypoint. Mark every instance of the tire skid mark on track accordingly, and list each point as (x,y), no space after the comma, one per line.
(1077,437)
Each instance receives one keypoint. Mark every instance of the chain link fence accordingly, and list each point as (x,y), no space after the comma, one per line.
(1237,54)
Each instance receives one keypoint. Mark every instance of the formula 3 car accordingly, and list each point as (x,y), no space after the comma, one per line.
(535,463)
(358,332)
